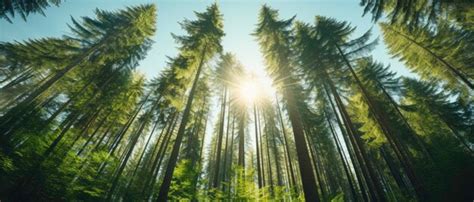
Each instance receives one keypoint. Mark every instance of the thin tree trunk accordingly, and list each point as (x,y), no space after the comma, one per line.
(197,177)
(293,181)
(392,139)
(277,163)
(149,182)
(61,135)
(393,169)
(350,148)
(215,184)
(224,172)
(270,173)
(420,142)
(262,154)
(375,188)
(231,156)
(101,123)
(8,118)
(128,152)
(164,189)
(259,170)
(122,132)
(345,163)
(317,166)
(141,155)
(241,161)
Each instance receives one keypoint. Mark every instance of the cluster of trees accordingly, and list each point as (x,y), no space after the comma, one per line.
(78,122)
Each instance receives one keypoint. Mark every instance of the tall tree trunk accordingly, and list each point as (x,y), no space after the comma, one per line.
(128,124)
(345,163)
(217,178)
(456,134)
(270,173)
(200,164)
(165,187)
(128,152)
(231,156)
(350,148)
(9,117)
(399,149)
(259,170)
(317,166)
(141,156)
(163,144)
(375,188)
(122,132)
(105,134)
(101,123)
(419,141)
(61,135)
(392,166)
(86,126)
(226,154)
(287,148)
(277,163)
(306,170)
(262,154)
(241,160)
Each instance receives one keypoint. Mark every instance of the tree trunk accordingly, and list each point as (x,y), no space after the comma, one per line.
(392,139)
(287,148)
(101,123)
(149,182)
(141,155)
(306,170)
(259,170)
(277,163)
(345,163)
(9,117)
(217,178)
(231,155)
(163,194)
(419,141)
(375,188)
(241,161)
(350,148)
(270,173)
(225,171)
(317,166)
(262,154)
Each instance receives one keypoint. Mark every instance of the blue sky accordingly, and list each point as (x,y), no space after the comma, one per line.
(240,18)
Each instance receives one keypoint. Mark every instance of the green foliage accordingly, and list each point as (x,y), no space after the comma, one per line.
(78,123)
(9,9)
(338,198)
(441,55)
(182,186)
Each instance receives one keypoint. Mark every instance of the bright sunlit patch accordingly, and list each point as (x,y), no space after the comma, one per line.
(255,87)
(248,91)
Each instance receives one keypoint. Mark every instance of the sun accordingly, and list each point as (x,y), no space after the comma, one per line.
(255,87)
(248,91)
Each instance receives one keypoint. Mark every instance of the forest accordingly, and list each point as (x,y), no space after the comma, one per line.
(78,122)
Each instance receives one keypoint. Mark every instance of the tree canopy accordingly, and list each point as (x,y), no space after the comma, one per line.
(327,122)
